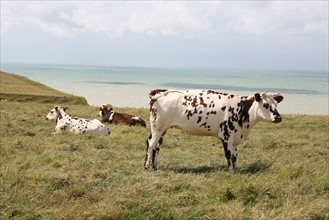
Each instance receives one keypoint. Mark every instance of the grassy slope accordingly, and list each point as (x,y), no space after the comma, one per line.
(18,88)
(284,171)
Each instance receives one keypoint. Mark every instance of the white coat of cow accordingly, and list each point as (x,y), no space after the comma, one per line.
(75,124)
(205,112)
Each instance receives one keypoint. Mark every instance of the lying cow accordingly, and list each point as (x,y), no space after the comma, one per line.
(226,116)
(74,124)
(110,116)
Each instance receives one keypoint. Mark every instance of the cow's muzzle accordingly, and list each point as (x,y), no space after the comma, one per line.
(277,119)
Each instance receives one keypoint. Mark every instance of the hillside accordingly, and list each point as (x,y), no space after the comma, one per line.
(19,88)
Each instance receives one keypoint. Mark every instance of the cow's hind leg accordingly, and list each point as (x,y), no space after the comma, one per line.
(231,155)
(153,144)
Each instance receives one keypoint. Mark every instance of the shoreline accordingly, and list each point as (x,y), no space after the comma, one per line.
(131,89)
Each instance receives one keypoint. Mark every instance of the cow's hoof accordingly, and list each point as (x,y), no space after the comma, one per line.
(232,170)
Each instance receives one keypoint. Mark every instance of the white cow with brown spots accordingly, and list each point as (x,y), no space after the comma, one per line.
(205,112)
(75,124)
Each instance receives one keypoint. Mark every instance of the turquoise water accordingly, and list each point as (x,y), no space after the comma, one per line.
(305,92)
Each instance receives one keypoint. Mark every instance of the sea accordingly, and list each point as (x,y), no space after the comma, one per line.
(305,92)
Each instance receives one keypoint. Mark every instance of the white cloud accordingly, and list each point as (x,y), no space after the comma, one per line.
(204,33)
(116,18)
(167,18)
(45,15)
(272,17)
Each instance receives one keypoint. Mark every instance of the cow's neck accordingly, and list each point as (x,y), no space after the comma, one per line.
(60,115)
(111,116)
(253,114)
(247,113)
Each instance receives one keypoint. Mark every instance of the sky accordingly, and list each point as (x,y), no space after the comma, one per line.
(208,34)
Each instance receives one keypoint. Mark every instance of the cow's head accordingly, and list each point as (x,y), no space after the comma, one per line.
(55,113)
(104,110)
(267,106)
(106,113)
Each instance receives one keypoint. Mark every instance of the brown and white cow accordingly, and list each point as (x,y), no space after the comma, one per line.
(110,116)
(205,112)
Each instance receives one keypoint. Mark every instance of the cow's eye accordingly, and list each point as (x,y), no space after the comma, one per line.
(266,105)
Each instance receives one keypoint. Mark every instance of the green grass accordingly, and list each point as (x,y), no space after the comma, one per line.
(21,89)
(283,171)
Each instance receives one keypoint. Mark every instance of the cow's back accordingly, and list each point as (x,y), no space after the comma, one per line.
(195,111)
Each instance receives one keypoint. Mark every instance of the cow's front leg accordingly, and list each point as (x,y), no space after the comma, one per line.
(155,153)
(231,156)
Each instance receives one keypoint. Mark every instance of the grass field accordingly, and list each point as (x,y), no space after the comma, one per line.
(283,171)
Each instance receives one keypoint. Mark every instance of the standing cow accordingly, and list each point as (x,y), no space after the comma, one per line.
(205,112)
(75,124)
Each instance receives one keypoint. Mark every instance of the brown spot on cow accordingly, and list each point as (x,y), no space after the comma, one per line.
(157,91)
(212,92)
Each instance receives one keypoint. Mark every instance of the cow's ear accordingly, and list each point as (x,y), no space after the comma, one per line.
(258,97)
(56,108)
(278,98)
(64,109)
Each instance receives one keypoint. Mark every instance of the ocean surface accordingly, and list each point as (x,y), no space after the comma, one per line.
(305,92)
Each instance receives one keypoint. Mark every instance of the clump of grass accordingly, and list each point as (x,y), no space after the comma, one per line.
(60,182)
(229,195)
(250,195)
